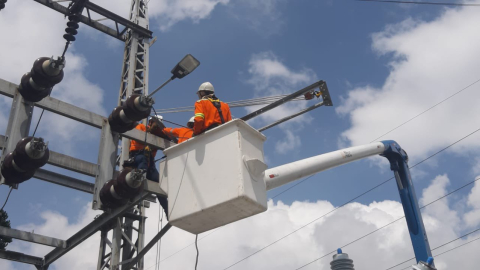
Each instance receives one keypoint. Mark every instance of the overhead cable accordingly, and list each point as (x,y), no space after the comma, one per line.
(422,3)
(380,184)
(449,242)
(390,223)
(447,98)
(8,196)
(351,200)
(232,104)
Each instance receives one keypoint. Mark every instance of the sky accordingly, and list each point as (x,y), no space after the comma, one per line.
(386,66)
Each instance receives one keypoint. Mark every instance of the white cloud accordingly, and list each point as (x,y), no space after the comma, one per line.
(288,143)
(166,13)
(473,216)
(270,76)
(429,62)
(230,243)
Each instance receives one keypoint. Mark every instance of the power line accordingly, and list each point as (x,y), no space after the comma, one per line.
(233,104)
(438,152)
(390,223)
(449,242)
(304,180)
(8,196)
(371,189)
(40,118)
(422,3)
(454,94)
(442,101)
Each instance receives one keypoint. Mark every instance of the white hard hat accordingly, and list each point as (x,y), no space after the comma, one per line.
(192,120)
(206,86)
(158,117)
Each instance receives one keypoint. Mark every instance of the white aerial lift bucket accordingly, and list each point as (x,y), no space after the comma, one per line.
(215,178)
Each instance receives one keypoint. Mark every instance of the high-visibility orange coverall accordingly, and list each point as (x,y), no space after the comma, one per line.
(136,146)
(182,133)
(206,114)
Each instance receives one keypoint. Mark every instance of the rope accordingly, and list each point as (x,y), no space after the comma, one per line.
(196,246)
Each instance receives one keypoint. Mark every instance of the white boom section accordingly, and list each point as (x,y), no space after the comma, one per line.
(287,173)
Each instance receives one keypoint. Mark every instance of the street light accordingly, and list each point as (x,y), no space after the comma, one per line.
(186,66)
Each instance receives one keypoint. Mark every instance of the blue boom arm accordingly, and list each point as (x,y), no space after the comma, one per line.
(398,159)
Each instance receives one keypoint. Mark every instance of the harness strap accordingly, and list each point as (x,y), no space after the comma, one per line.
(218,105)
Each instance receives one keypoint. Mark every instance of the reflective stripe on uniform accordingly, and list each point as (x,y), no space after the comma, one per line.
(200,115)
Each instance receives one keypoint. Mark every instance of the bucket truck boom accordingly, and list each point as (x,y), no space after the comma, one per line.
(220,177)
(398,159)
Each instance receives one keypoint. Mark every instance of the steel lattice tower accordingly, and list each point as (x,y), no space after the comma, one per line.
(134,80)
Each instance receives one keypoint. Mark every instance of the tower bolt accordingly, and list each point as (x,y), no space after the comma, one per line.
(109,197)
(119,122)
(12,173)
(138,107)
(31,153)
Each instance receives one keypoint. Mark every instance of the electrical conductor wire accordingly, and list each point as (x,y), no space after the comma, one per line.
(449,242)
(38,122)
(390,223)
(442,101)
(362,194)
(301,181)
(421,3)
(8,196)
(438,152)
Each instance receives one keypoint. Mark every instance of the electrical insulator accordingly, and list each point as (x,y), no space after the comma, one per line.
(135,108)
(119,122)
(109,197)
(31,153)
(129,182)
(2,4)
(72,26)
(424,265)
(37,84)
(341,261)
(12,173)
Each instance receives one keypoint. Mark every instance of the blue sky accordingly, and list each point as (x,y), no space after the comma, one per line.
(383,63)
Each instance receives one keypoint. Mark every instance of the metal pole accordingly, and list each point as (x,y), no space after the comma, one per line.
(161,86)
(18,124)
(292,116)
(282,101)
(149,246)
(116,245)
(134,80)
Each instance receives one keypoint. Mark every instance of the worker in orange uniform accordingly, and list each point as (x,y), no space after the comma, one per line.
(210,112)
(183,133)
(143,157)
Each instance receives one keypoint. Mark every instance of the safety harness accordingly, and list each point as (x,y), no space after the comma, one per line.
(217,104)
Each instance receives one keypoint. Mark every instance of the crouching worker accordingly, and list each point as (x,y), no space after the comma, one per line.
(143,157)
(183,133)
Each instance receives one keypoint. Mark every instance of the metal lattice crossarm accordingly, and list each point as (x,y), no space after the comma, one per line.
(118,20)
